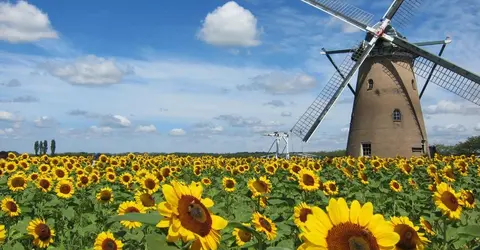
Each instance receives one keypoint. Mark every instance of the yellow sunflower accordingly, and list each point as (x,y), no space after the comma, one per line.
(241,236)
(265,225)
(10,207)
(410,238)
(344,228)
(330,188)
(146,199)
(131,207)
(427,227)
(395,186)
(44,183)
(106,241)
(105,195)
(363,177)
(206,181)
(300,214)
(229,184)
(259,186)
(448,201)
(17,182)
(3,234)
(308,180)
(187,216)
(468,198)
(64,189)
(41,232)
(150,183)
(126,179)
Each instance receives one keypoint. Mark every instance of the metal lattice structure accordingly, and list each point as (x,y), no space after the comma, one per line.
(381,40)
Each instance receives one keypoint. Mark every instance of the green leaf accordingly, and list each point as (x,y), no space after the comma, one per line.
(158,242)
(471,230)
(69,213)
(17,246)
(148,218)
(278,248)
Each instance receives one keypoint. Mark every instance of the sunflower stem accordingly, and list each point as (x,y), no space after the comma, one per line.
(444,231)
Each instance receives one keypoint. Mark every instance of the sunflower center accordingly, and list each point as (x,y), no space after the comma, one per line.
(260,186)
(229,184)
(408,237)
(10,167)
(194,216)
(450,201)
(304,213)
(308,180)
(105,195)
(18,182)
(427,224)
(111,176)
(265,224)
(149,183)
(244,236)
(449,173)
(147,200)
(132,210)
(43,232)
(11,206)
(44,183)
(109,244)
(60,173)
(332,187)
(349,236)
(84,179)
(396,185)
(296,169)
(126,178)
(469,198)
(65,189)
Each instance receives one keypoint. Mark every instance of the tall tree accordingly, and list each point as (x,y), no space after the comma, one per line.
(45,147)
(469,147)
(36,147)
(40,147)
(52,147)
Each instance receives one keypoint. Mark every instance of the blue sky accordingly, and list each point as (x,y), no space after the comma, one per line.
(210,76)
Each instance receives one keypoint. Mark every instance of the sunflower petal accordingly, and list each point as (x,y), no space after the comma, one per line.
(170,195)
(164,223)
(354,211)
(388,240)
(165,209)
(207,202)
(366,214)
(218,223)
(343,210)
(334,212)
(196,190)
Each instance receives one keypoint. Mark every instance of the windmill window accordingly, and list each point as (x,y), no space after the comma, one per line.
(413,84)
(366,149)
(397,115)
(370,84)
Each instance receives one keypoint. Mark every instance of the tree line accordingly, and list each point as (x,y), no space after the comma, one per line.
(41,147)
(471,146)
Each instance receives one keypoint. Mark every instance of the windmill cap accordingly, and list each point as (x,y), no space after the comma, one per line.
(448,39)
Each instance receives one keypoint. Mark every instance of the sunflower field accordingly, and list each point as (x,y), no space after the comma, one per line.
(170,202)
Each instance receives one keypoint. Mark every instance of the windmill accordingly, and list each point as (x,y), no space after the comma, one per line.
(278,137)
(386,118)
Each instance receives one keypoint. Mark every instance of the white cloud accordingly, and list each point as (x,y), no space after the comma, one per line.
(23,22)
(12,83)
(88,70)
(280,83)
(449,107)
(286,113)
(9,117)
(6,131)
(177,132)
(230,25)
(45,122)
(100,130)
(146,128)
(115,121)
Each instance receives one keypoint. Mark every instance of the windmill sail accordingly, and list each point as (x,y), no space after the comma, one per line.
(310,120)
(406,12)
(446,74)
(343,11)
